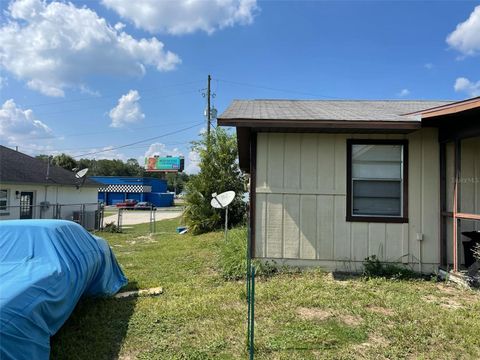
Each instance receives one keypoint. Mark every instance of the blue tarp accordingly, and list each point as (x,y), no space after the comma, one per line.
(46,266)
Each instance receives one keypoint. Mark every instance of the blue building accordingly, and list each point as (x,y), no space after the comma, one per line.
(117,189)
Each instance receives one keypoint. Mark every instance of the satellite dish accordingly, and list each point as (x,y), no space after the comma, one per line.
(222,200)
(80,174)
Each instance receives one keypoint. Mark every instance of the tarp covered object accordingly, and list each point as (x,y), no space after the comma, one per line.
(46,266)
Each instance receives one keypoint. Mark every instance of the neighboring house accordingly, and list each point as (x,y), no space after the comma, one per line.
(116,189)
(333,182)
(30,189)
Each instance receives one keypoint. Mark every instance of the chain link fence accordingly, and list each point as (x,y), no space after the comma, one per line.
(89,215)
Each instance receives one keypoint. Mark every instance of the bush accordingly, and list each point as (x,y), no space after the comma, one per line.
(111,227)
(373,267)
(219,172)
(233,257)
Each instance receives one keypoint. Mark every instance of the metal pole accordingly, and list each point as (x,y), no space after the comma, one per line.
(226,222)
(252,316)
(208,105)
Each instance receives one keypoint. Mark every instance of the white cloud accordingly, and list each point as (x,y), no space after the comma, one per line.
(127,110)
(462,84)
(159,149)
(466,37)
(17,124)
(185,16)
(403,93)
(193,163)
(55,46)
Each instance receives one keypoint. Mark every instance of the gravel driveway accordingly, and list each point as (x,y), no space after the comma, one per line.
(133,217)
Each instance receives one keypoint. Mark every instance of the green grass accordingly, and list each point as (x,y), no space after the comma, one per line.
(299,315)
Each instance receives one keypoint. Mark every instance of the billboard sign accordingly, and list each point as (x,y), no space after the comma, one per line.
(165,164)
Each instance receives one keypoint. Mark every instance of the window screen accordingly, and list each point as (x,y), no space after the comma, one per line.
(377,180)
(3,200)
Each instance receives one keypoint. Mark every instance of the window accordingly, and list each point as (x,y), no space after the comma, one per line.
(377,180)
(3,200)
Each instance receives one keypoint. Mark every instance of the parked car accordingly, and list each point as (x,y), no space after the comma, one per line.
(129,203)
(46,266)
(144,205)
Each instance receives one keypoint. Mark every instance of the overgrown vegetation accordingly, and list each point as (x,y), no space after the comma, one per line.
(476,252)
(111,227)
(233,257)
(373,267)
(307,315)
(219,172)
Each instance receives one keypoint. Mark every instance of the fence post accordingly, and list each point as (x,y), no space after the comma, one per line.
(119,219)
(252,315)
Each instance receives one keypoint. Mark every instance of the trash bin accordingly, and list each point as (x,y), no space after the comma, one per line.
(469,246)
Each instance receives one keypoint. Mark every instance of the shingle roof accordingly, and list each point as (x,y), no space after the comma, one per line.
(333,110)
(19,168)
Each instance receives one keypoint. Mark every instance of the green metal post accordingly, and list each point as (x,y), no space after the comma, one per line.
(252,315)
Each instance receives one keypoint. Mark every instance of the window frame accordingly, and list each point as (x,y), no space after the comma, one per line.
(403,218)
(7,204)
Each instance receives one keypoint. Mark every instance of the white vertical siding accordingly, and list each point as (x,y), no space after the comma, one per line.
(301,202)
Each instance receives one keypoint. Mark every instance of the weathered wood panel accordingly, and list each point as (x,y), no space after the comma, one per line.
(274,231)
(291,230)
(325,227)
(308,227)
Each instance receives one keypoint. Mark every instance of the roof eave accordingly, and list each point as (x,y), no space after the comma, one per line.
(331,125)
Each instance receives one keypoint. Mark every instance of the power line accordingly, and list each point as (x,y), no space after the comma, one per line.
(107,95)
(97,132)
(139,142)
(276,89)
(103,106)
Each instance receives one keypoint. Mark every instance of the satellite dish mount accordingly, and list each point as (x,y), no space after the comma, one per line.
(80,177)
(221,201)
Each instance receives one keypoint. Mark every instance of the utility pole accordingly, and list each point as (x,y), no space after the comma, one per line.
(208,106)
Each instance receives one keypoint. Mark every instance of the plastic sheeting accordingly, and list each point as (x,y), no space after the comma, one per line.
(46,266)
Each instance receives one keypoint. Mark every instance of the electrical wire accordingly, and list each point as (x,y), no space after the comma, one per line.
(42,114)
(98,132)
(109,95)
(139,142)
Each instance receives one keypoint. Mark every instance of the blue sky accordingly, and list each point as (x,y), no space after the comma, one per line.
(65,67)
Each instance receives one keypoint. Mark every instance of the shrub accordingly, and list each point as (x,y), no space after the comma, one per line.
(476,252)
(233,257)
(373,267)
(111,227)
(219,172)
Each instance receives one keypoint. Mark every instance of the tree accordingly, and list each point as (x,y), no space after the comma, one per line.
(65,161)
(219,172)
(176,182)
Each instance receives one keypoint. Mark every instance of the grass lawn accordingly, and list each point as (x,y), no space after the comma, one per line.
(307,315)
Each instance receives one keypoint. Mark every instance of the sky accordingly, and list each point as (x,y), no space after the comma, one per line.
(87,78)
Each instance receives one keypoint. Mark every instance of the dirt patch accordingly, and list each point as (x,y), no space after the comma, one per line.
(374,340)
(444,302)
(380,310)
(146,239)
(351,320)
(321,315)
(314,314)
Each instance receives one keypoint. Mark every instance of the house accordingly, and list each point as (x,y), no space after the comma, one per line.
(333,182)
(116,189)
(32,189)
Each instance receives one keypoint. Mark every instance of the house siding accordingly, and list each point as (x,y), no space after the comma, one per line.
(54,194)
(301,203)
